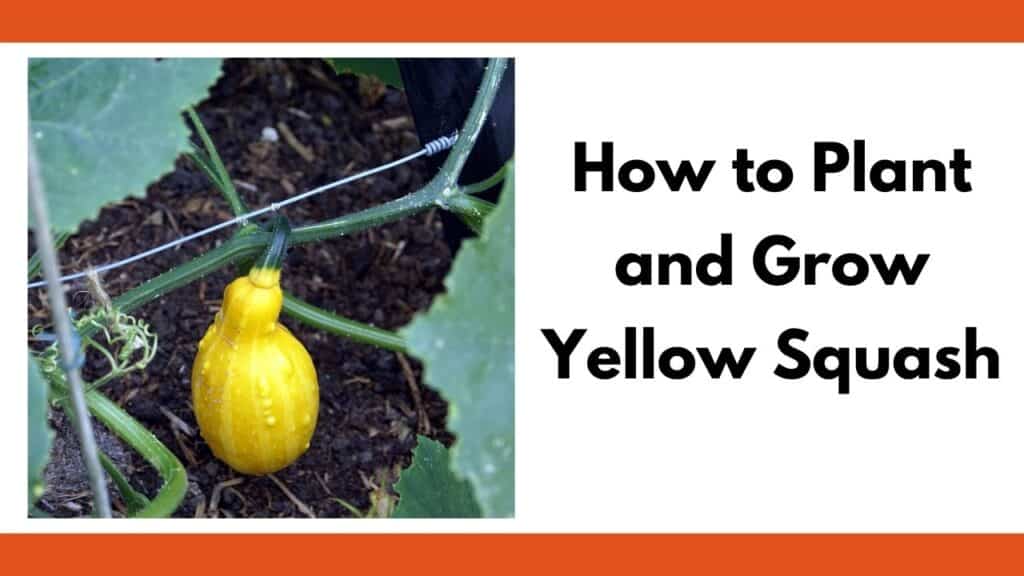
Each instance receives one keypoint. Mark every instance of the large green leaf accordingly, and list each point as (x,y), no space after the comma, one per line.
(386,69)
(428,489)
(39,433)
(466,344)
(106,128)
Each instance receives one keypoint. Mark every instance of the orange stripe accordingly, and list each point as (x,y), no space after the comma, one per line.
(516,21)
(514,554)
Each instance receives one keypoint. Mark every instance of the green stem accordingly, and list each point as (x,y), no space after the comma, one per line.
(471,210)
(104,380)
(90,343)
(134,501)
(352,509)
(147,445)
(396,209)
(457,158)
(486,184)
(35,264)
(214,166)
(231,251)
(274,254)
(319,318)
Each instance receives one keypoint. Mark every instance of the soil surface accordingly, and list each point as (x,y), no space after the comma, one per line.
(328,127)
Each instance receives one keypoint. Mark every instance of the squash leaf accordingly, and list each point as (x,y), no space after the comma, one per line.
(106,128)
(40,436)
(385,69)
(428,489)
(466,342)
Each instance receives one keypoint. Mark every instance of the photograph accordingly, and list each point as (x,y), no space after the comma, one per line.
(271,288)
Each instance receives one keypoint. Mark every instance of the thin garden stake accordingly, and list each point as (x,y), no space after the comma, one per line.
(429,149)
(70,345)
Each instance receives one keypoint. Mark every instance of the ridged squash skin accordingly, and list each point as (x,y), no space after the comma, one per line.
(254,386)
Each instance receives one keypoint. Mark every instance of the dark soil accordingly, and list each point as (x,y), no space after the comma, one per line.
(368,417)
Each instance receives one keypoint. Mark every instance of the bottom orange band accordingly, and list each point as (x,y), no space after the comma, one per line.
(513,554)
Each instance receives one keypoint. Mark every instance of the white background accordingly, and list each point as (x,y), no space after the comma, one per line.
(756,454)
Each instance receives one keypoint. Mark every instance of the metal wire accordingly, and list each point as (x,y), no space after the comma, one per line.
(429,149)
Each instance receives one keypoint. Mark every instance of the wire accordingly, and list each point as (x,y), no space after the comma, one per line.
(429,149)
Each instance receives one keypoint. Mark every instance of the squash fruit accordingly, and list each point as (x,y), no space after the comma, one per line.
(254,386)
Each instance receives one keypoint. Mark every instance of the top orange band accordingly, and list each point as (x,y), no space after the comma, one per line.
(514,21)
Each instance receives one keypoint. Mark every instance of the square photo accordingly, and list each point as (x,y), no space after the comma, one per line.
(265,288)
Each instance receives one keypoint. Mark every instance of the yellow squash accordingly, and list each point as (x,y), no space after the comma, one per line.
(254,387)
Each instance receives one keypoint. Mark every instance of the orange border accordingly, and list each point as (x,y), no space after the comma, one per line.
(513,21)
(454,554)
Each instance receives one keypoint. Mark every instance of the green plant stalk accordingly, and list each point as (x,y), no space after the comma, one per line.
(413,203)
(456,160)
(231,251)
(200,159)
(150,448)
(352,509)
(486,184)
(471,210)
(133,500)
(319,318)
(278,246)
(214,167)
(35,264)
